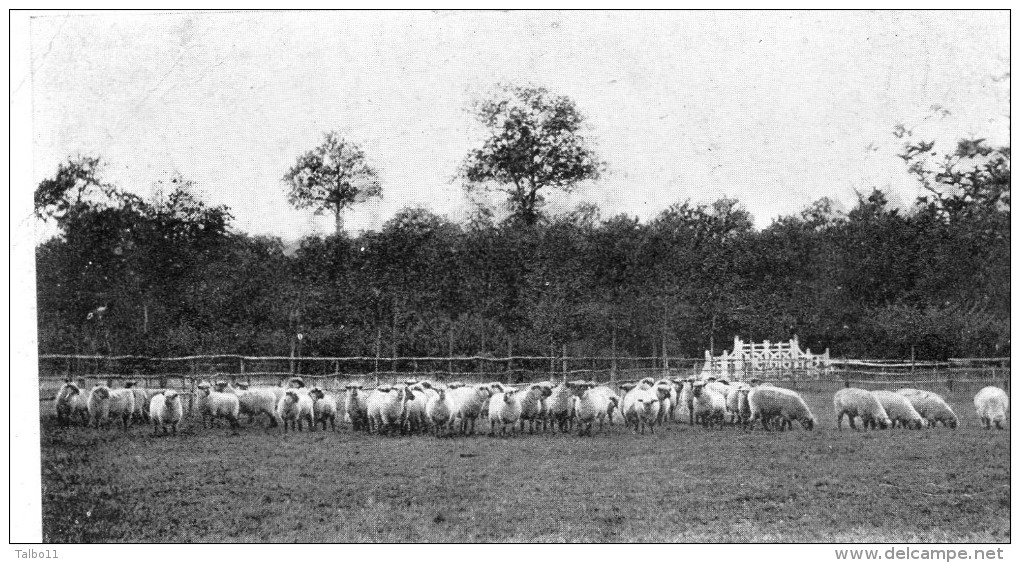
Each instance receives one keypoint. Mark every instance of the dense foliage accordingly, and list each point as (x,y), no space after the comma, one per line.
(169,276)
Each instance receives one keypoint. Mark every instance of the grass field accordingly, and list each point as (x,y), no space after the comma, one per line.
(681,485)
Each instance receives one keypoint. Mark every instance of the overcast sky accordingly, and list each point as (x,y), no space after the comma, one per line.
(776,109)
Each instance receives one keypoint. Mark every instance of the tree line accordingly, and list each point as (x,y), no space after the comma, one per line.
(168,275)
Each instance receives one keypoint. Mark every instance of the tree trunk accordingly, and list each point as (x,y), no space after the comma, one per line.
(339,213)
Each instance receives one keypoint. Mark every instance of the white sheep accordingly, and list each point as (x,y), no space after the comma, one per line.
(931,406)
(767,403)
(595,402)
(542,403)
(854,402)
(468,400)
(991,404)
(641,407)
(105,404)
(737,407)
(323,408)
(668,405)
(213,405)
(254,401)
(71,403)
(505,410)
(165,409)
(686,398)
(440,411)
(295,408)
(417,418)
(899,409)
(356,407)
(709,404)
(387,408)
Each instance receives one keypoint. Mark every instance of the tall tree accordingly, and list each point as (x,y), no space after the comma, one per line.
(332,177)
(534,143)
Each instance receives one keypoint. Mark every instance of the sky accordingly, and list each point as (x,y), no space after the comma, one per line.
(776,109)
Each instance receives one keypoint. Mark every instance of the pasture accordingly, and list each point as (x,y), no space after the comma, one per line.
(681,484)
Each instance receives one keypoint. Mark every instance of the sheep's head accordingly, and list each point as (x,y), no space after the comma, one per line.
(614,403)
(495,387)
(171,396)
(129,384)
(647,381)
(663,390)
(103,392)
(296,382)
(542,389)
(627,386)
(241,385)
(951,422)
(710,379)
(646,403)
(290,397)
(508,396)
(71,389)
(383,388)
(455,384)
(698,388)
(426,384)
(917,423)
(483,390)
(221,385)
(808,423)
(316,394)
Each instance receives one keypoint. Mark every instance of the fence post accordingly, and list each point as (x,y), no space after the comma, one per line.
(191,397)
(564,362)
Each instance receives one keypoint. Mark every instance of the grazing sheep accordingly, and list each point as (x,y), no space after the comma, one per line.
(709,404)
(356,407)
(855,402)
(166,409)
(99,405)
(254,401)
(141,400)
(468,404)
(899,409)
(213,405)
(991,404)
(295,407)
(770,402)
(71,403)
(387,408)
(323,408)
(440,410)
(595,402)
(505,409)
(931,406)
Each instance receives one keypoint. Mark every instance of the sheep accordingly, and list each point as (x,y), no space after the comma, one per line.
(991,404)
(595,402)
(899,409)
(669,402)
(931,406)
(467,400)
(440,411)
(141,400)
(387,407)
(71,403)
(165,409)
(415,418)
(642,408)
(213,405)
(254,401)
(709,404)
(736,404)
(356,407)
(686,398)
(323,408)
(104,403)
(853,402)
(558,405)
(296,407)
(505,409)
(768,402)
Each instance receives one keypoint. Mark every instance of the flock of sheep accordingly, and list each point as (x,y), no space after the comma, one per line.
(444,409)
